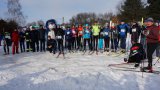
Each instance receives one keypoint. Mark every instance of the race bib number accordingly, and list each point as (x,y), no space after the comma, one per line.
(87,31)
(134,30)
(59,37)
(123,30)
(74,32)
(68,33)
(80,32)
(106,33)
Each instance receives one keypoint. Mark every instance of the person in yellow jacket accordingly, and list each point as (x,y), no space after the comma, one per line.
(95,33)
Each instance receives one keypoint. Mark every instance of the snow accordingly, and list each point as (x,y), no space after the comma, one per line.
(43,71)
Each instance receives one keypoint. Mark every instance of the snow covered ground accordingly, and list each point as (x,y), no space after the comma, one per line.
(42,71)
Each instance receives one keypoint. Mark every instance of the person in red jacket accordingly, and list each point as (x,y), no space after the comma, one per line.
(80,34)
(152,34)
(15,41)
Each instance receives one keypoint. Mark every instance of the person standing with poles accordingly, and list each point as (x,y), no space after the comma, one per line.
(151,34)
(95,33)
(122,29)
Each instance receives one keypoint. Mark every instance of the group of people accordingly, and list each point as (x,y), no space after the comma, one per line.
(106,38)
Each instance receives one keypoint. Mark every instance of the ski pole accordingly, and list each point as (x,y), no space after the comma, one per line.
(157,61)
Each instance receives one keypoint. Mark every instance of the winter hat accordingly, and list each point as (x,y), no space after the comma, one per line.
(149,20)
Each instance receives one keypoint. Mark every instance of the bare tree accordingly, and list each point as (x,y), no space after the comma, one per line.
(15,13)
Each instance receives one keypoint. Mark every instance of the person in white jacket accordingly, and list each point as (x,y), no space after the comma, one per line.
(52,35)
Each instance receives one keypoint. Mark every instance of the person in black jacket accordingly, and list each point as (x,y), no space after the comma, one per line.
(59,36)
(34,39)
(42,33)
(135,32)
(137,53)
(22,40)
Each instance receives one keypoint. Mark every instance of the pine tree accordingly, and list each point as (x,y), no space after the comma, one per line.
(131,10)
(153,10)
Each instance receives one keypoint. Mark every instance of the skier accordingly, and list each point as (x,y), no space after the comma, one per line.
(22,40)
(6,42)
(74,37)
(122,29)
(79,39)
(28,40)
(152,34)
(60,36)
(86,37)
(107,37)
(15,40)
(114,38)
(42,33)
(137,53)
(135,32)
(95,33)
(68,37)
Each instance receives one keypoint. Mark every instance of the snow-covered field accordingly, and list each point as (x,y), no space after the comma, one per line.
(42,71)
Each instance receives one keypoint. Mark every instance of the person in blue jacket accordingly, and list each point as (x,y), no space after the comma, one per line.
(86,37)
(68,38)
(123,29)
(106,32)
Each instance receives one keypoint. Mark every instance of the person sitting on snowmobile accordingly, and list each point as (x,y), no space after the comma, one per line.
(137,53)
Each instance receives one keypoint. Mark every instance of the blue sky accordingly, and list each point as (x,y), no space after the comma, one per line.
(47,9)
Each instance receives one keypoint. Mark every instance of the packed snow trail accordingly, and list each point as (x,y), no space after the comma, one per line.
(43,71)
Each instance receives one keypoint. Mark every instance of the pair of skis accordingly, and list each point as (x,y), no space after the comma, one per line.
(129,67)
(61,53)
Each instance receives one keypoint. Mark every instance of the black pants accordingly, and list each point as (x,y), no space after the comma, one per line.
(69,44)
(74,43)
(151,47)
(42,45)
(95,43)
(34,44)
(60,45)
(107,43)
(136,58)
(28,44)
(22,46)
(79,42)
(114,44)
(54,46)
(6,47)
(89,45)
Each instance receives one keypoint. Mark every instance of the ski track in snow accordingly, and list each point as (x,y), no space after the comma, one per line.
(43,71)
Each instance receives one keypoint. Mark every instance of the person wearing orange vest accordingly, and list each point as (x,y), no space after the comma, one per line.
(79,39)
